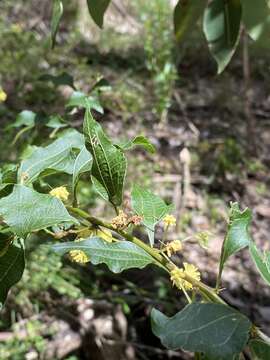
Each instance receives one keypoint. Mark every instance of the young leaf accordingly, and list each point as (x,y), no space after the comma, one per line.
(214,329)
(259,349)
(12,265)
(237,236)
(186,13)
(56,122)
(221,26)
(25,210)
(109,162)
(150,206)
(56,156)
(83,163)
(97,10)
(261,262)
(79,99)
(256,19)
(138,141)
(25,118)
(57,14)
(118,256)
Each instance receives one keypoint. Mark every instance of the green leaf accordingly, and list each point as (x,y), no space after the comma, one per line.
(267,260)
(186,14)
(261,262)
(259,349)
(237,236)
(25,118)
(63,79)
(12,265)
(83,163)
(138,141)
(150,206)
(8,175)
(215,329)
(57,14)
(109,162)
(79,99)
(256,19)
(118,256)
(57,156)
(26,210)
(97,10)
(56,122)
(221,25)
(100,189)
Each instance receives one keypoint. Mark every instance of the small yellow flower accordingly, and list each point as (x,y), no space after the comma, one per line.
(173,247)
(120,221)
(78,256)
(169,220)
(60,192)
(3,95)
(178,276)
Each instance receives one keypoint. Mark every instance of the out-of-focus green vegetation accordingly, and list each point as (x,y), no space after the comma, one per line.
(142,72)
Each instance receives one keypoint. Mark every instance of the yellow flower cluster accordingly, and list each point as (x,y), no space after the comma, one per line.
(3,95)
(60,192)
(173,247)
(169,220)
(78,256)
(178,276)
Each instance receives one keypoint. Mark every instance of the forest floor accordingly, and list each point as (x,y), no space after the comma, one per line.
(224,161)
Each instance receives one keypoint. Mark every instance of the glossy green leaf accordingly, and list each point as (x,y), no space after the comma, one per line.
(83,163)
(259,349)
(186,14)
(118,256)
(25,118)
(238,236)
(79,99)
(109,162)
(214,329)
(150,206)
(57,14)
(25,210)
(63,79)
(12,265)
(57,156)
(256,19)
(261,261)
(138,141)
(221,25)
(97,10)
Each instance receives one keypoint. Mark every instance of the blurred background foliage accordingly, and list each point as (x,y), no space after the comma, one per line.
(153,86)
